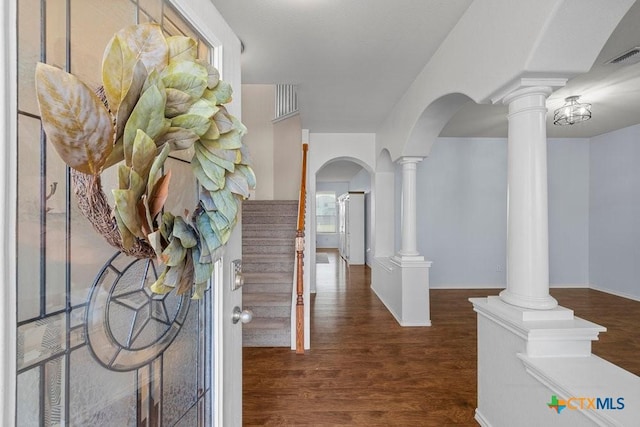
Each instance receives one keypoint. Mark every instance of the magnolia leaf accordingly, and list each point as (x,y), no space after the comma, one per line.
(126,205)
(232,156)
(144,153)
(123,177)
(213,74)
(246,156)
(212,132)
(212,170)
(203,178)
(128,239)
(203,107)
(205,156)
(178,138)
(226,203)
(118,63)
(75,120)
(223,121)
(198,290)
(207,200)
(184,232)
(194,122)
(248,173)
(159,195)
(116,156)
(220,226)
(137,184)
(239,126)
(158,287)
(148,116)
(173,274)
(155,240)
(237,184)
(229,141)
(182,48)
(186,279)
(153,79)
(142,215)
(156,167)
(147,43)
(208,240)
(166,227)
(174,253)
(202,271)
(222,92)
(189,77)
(131,98)
(178,102)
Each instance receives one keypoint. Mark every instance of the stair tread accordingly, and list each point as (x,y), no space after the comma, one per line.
(260,258)
(279,323)
(267,299)
(273,277)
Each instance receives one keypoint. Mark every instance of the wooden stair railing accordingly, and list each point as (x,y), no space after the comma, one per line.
(300,254)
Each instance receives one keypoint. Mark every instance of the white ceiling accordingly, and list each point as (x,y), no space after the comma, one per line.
(353,60)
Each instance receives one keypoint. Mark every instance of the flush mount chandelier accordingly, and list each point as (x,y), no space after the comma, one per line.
(572,112)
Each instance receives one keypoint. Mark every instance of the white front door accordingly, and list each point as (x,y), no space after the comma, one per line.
(180,366)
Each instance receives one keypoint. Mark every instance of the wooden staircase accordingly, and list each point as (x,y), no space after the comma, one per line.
(268,256)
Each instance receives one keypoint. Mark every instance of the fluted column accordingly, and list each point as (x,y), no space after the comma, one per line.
(409,250)
(527,218)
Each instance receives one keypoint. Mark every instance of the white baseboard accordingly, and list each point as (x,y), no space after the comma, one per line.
(395,316)
(467,286)
(481,419)
(503,286)
(616,293)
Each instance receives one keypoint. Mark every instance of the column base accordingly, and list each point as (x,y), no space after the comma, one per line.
(401,258)
(403,287)
(536,303)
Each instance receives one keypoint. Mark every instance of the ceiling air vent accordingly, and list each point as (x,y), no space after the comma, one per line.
(631,56)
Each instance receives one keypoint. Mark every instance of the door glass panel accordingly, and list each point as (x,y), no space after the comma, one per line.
(94,346)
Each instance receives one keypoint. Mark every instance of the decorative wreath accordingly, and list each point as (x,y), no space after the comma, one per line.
(156,97)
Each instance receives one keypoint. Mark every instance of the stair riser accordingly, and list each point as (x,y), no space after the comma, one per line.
(268,267)
(266,232)
(278,219)
(267,312)
(264,249)
(260,288)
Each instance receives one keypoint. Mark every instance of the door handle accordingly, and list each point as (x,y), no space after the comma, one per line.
(244,316)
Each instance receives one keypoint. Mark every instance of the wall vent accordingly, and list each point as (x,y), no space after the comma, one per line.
(286,101)
(629,57)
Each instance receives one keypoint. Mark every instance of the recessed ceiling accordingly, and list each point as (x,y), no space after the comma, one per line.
(353,60)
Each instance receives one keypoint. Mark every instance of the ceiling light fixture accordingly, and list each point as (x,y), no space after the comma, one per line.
(572,112)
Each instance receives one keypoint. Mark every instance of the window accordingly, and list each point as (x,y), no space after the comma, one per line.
(325,212)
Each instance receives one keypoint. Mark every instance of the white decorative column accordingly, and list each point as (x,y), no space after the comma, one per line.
(409,250)
(527,218)
(402,281)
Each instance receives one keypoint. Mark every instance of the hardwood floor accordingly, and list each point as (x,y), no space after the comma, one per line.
(364,369)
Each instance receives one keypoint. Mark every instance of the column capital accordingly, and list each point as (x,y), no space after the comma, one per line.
(524,84)
(409,159)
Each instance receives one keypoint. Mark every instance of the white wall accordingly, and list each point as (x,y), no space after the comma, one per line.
(287,158)
(614,204)
(462,211)
(258,109)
